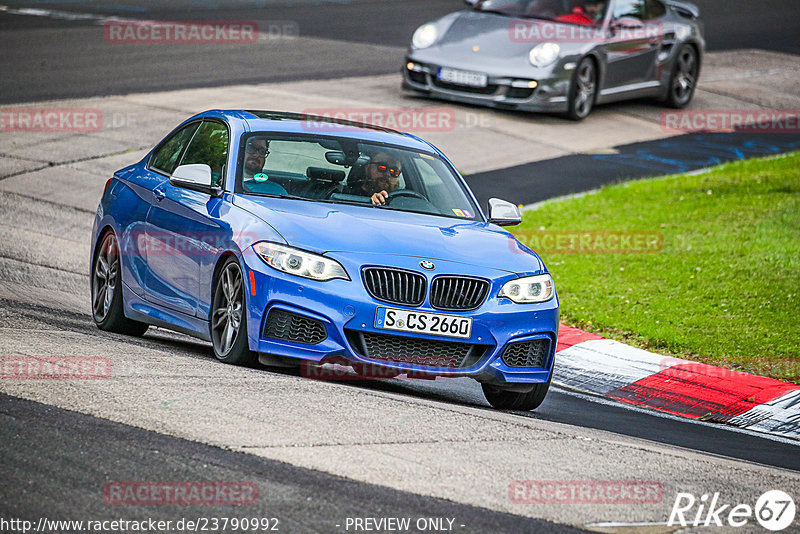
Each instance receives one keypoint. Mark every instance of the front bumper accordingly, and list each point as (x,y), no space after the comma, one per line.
(502,92)
(347,312)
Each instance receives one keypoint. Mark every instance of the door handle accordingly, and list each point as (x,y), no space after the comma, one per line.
(159,193)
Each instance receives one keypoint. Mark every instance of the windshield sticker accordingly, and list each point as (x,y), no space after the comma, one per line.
(261,177)
(464,213)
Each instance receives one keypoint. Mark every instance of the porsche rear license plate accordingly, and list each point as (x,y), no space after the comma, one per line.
(423,322)
(462,77)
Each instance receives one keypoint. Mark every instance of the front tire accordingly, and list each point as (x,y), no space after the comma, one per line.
(503,399)
(107,306)
(228,321)
(683,80)
(582,90)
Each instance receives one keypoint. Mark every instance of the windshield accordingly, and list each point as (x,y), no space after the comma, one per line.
(346,171)
(583,12)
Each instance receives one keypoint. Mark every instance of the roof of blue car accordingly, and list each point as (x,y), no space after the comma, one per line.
(282,121)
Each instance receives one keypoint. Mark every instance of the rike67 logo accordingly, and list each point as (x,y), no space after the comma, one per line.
(774,510)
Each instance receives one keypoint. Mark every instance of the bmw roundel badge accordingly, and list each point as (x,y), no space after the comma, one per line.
(427,265)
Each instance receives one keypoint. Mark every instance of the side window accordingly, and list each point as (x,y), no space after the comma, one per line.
(629,8)
(166,157)
(655,9)
(209,146)
(441,192)
(428,174)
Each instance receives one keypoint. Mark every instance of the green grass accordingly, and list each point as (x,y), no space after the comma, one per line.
(725,287)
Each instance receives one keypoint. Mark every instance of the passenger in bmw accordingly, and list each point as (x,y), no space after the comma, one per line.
(253,178)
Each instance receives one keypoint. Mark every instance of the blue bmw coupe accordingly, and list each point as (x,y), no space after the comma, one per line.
(286,239)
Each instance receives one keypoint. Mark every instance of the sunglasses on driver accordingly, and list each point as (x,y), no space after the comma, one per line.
(385,167)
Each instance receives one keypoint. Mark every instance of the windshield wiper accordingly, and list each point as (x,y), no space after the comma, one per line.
(515,15)
(537,17)
(495,11)
(362,204)
(323,200)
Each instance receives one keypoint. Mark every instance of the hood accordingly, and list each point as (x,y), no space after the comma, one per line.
(321,227)
(496,36)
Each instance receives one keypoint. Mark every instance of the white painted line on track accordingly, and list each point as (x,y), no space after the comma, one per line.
(101,20)
(749,74)
(603,365)
(779,416)
(59,15)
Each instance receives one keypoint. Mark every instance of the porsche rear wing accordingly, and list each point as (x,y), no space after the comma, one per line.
(686,9)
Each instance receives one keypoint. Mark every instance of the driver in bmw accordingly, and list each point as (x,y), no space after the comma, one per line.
(382,177)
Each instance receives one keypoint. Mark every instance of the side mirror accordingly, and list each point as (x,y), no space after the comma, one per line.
(196,177)
(503,213)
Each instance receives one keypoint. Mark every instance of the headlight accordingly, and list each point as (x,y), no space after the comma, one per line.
(544,54)
(293,261)
(425,36)
(539,288)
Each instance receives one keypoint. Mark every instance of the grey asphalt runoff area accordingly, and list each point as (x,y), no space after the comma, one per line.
(319,451)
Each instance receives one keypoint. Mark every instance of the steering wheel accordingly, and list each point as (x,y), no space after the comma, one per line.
(404,193)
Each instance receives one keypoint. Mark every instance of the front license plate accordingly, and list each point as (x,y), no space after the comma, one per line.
(423,322)
(462,77)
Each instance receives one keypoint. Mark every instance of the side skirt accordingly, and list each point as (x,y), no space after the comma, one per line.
(141,310)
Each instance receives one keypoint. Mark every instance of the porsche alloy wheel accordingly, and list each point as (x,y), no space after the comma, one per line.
(582,90)
(228,317)
(684,78)
(107,308)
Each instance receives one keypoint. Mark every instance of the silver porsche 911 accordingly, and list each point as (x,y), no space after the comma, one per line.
(559,55)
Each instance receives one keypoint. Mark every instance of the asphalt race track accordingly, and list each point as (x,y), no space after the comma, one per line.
(286,492)
(540,180)
(319,452)
(40,60)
